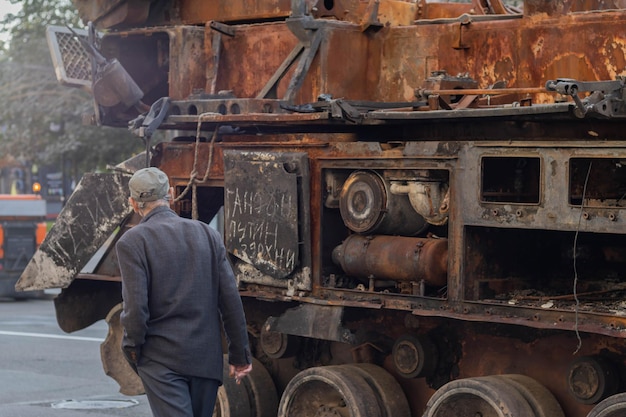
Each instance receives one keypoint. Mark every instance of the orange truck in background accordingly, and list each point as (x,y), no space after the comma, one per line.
(22,229)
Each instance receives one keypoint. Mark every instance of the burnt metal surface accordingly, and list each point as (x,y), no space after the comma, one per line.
(367,205)
(379,257)
(592,379)
(315,321)
(195,12)
(383,65)
(389,65)
(180,158)
(130,13)
(95,209)
(525,316)
(525,256)
(264,220)
(85,302)
(112,13)
(552,176)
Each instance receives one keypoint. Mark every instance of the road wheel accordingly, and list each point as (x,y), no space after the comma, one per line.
(614,406)
(255,396)
(329,391)
(538,396)
(391,398)
(485,396)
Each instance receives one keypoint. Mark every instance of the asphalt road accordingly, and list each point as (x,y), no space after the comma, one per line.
(45,372)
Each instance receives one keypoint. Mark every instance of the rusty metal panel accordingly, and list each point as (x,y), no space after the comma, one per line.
(396,13)
(187,62)
(599,56)
(194,12)
(112,13)
(552,174)
(177,160)
(555,8)
(442,10)
(249,59)
(499,50)
(386,11)
(163,61)
(384,64)
(346,64)
(407,57)
(262,214)
(129,13)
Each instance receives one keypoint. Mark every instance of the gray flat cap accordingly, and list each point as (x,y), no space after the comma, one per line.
(149,184)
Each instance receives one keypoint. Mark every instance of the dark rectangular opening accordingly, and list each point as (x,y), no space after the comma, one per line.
(530,266)
(600,182)
(510,179)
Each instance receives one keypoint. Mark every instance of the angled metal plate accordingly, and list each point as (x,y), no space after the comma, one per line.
(95,209)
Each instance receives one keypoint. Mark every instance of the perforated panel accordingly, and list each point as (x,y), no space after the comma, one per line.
(71,61)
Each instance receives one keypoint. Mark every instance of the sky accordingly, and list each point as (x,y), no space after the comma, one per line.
(7,7)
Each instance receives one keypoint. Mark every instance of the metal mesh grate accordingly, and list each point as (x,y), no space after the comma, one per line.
(71,61)
(75,59)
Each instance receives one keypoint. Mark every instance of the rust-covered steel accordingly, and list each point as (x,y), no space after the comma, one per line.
(433,189)
(386,64)
(394,258)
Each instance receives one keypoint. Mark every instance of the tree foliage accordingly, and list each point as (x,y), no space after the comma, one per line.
(34,101)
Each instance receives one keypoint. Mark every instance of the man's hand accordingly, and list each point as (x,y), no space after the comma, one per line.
(131,357)
(239,371)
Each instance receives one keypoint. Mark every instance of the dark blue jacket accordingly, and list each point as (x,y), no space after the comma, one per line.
(178,290)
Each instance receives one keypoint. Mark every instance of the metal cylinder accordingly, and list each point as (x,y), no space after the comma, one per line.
(394,258)
(367,206)
(114,86)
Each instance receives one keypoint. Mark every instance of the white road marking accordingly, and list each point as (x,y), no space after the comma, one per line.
(51,336)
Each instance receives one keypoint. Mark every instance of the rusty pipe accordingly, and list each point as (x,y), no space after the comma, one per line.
(482,91)
(394,258)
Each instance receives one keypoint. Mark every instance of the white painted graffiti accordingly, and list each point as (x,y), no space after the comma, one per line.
(259,237)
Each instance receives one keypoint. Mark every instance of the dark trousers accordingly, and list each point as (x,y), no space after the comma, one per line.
(174,395)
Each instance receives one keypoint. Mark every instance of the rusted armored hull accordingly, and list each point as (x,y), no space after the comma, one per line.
(385,64)
(433,190)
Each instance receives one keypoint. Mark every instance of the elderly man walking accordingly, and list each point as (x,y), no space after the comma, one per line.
(179,291)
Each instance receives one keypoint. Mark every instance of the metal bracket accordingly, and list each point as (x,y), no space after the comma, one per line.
(144,126)
(222,28)
(464,20)
(309,33)
(606,100)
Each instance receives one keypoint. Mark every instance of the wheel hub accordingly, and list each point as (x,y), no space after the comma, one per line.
(327,411)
